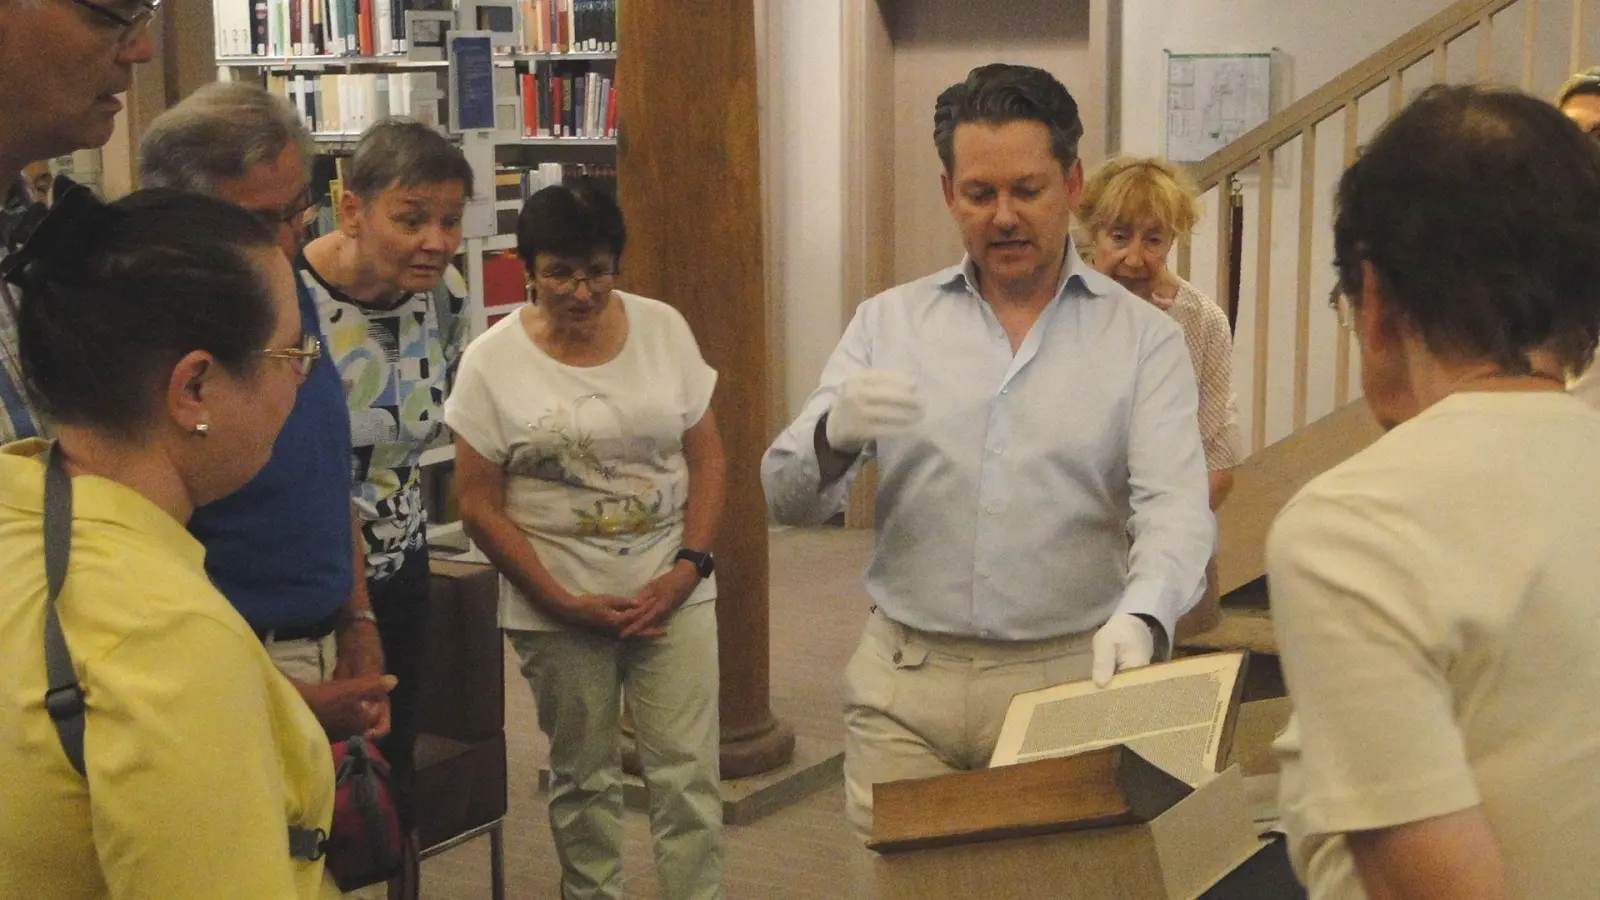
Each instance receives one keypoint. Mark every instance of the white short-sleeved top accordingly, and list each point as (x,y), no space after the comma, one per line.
(1437,604)
(596,476)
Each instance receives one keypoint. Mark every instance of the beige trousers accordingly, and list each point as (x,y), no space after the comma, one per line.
(919,704)
(577,680)
(310,661)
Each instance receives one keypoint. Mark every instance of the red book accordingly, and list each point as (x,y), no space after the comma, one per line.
(611,112)
(530,106)
(364,27)
(503,280)
(557,123)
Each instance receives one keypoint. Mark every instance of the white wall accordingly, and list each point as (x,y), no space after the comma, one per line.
(936,43)
(1299,31)
(808,188)
(1319,39)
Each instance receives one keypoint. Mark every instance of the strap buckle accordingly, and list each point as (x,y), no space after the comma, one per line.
(309,844)
(64,702)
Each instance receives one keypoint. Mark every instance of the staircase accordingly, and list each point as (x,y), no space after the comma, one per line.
(1268,203)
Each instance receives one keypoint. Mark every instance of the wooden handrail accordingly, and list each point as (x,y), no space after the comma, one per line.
(1448,24)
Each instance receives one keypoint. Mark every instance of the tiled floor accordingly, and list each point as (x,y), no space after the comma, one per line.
(817,610)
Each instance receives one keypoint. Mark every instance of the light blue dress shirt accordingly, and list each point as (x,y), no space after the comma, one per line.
(1006,512)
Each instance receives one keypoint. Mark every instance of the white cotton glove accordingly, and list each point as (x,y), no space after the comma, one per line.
(1123,642)
(872,404)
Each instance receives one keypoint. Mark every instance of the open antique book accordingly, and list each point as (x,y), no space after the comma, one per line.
(1178,715)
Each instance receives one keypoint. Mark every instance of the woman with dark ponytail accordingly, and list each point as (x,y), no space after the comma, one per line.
(150,747)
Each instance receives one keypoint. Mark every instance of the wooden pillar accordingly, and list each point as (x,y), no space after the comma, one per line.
(185,59)
(689,179)
(189,53)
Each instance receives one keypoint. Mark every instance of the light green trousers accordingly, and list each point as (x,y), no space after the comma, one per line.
(577,680)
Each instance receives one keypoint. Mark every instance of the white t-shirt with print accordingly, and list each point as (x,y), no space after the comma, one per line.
(596,477)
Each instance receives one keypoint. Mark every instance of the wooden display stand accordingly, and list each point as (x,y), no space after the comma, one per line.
(1101,824)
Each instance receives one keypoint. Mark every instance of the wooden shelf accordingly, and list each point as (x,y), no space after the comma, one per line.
(556,142)
(325,62)
(598,56)
(396,60)
(336,138)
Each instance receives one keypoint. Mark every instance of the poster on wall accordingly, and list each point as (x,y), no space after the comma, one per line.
(1213,99)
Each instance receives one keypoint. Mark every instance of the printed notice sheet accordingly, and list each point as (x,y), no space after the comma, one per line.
(1176,715)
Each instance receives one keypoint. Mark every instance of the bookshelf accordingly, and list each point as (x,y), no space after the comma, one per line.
(332,66)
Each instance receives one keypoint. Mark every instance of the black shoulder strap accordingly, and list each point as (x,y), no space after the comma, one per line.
(64,698)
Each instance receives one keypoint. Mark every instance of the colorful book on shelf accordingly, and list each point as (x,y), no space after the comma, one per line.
(504,283)
(364,27)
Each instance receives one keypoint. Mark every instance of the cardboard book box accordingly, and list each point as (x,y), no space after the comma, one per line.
(1105,823)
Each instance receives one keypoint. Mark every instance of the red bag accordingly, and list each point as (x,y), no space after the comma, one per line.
(367,844)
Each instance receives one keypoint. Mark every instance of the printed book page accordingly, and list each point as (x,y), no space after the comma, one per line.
(1173,714)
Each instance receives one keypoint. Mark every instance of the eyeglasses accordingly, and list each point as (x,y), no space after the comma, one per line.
(599,282)
(300,358)
(295,215)
(132,22)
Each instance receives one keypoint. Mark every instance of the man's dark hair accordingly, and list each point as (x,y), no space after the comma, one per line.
(1479,210)
(124,292)
(573,221)
(999,93)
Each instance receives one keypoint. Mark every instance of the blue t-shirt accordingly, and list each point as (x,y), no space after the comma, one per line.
(279,549)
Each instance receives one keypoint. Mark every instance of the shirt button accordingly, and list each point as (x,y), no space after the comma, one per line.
(990,510)
(984,633)
(1005,390)
(996,451)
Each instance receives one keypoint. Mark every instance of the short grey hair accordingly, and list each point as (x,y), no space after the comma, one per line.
(404,153)
(219,132)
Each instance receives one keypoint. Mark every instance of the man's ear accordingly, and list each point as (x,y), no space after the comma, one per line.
(1074,184)
(1377,321)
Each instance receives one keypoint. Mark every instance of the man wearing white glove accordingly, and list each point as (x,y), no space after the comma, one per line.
(1027,415)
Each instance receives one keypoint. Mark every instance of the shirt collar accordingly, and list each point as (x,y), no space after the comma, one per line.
(1074,270)
(94,499)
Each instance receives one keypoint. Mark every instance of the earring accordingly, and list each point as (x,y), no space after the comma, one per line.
(203,429)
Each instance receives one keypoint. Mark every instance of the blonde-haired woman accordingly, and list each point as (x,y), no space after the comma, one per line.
(1134,209)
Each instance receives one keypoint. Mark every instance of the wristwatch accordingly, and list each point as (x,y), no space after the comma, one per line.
(703,563)
(358,615)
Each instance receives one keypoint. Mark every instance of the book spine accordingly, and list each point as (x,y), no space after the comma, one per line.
(579,95)
(546,122)
(569,124)
(364,27)
(258,27)
(530,105)
(397,44)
